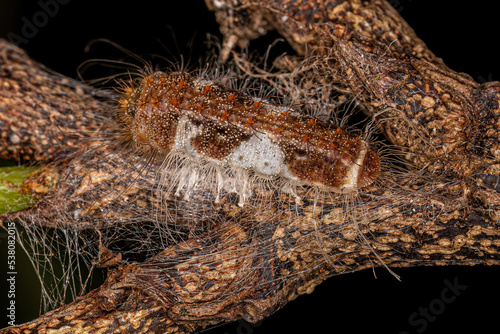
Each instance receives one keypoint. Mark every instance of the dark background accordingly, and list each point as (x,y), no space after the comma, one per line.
(464,36)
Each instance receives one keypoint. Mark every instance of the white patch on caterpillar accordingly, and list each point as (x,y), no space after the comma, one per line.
(352,175)
(259,154)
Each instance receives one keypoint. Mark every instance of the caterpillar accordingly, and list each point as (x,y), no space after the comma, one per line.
(244,138)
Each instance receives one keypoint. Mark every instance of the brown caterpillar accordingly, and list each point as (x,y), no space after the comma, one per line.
(184,115)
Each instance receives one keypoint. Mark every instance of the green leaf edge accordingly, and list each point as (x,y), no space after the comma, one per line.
(11,199)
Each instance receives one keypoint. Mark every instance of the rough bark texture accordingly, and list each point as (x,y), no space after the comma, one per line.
(44,113)
(442,210)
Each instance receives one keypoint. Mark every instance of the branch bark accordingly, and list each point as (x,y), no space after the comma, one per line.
(442,210)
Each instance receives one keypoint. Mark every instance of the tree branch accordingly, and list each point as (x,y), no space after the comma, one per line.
(440,209)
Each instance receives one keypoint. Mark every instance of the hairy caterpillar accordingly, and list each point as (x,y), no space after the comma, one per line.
(243,139)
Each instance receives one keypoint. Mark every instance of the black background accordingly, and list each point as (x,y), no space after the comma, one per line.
(464,36)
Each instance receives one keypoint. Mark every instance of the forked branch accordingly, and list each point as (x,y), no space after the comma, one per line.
(440,208)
